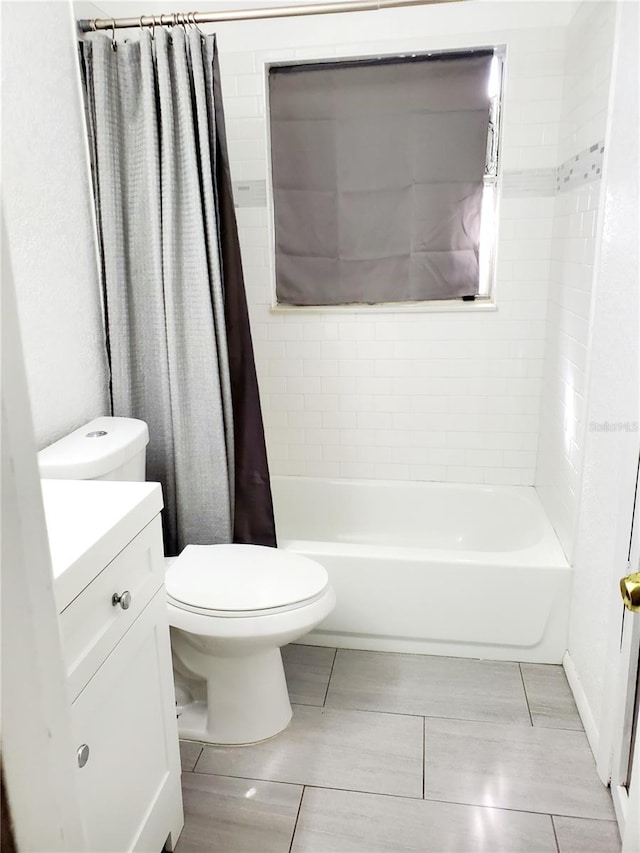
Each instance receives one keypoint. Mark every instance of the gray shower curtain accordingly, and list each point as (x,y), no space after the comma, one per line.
(175,310)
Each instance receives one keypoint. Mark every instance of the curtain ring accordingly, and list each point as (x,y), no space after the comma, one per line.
(167,21)
(93,25)
(192,16)
(113,33)
(153,27)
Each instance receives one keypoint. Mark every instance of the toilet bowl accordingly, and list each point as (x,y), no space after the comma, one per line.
(231,608)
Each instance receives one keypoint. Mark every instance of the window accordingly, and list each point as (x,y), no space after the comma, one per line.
(384,174)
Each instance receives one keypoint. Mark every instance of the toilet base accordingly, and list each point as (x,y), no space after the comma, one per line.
(192,725)
(247,700)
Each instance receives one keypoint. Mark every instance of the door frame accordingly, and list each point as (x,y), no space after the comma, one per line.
(38,751)
(631,839)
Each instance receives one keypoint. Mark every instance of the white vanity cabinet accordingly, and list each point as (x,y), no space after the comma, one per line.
(109,588)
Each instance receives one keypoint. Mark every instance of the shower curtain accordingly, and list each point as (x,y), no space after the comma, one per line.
(176,316)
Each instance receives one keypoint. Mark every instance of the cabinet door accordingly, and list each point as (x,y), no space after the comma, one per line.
(130,785)
(91,625)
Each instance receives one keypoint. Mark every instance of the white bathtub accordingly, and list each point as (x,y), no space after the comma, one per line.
(430,568)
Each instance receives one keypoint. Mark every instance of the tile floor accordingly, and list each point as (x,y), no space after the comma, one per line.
(390,752)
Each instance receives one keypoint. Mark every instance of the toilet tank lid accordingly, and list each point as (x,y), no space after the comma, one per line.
(93,450)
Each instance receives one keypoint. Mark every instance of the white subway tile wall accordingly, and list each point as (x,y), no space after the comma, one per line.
(587,75)
(583,124)
(406,395)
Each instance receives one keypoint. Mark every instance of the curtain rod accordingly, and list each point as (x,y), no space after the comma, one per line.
(87,25)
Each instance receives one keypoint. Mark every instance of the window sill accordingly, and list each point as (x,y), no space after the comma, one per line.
(450,306)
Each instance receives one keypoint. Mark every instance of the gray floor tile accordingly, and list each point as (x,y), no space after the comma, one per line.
(515,767)
(239,815)
(343,821)
(433,686)
(577,835)
(189,754)
(357,750)
(307,669)
(550,699)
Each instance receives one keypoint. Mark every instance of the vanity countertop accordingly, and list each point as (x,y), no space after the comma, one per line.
(89,522)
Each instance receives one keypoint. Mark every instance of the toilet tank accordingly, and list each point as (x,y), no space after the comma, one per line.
(103,449)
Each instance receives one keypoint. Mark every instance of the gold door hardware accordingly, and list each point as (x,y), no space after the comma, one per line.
(630,591)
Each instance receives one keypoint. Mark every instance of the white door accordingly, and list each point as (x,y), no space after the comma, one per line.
(615,396)
(37,745)
(625,767)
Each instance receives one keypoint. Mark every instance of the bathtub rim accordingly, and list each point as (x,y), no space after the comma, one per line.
(533,557)
(544,554)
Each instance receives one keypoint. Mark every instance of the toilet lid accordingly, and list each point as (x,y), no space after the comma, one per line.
(242,577)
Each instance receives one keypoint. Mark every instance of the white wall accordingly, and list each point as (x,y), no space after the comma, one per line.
(49,215)
(583,125)
(436,396)
(612,439)
(450,396)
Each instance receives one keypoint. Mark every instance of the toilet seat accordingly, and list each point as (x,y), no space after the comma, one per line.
(244,614)
(232,581)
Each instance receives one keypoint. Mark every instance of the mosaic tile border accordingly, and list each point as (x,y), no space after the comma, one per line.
(582,169)
(250,193)
(529,182)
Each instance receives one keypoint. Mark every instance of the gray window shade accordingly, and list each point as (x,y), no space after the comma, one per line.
(377,178)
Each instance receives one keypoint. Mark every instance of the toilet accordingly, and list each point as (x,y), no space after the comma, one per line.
(231,607)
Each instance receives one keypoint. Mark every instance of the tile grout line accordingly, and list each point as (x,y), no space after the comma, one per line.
(326,692)
(388,713)
(295,825)
(413,714)
(526,695)
(555,833)
(195,763)
(410,798)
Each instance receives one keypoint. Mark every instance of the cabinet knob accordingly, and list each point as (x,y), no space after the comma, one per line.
(123,599)
(83,754)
